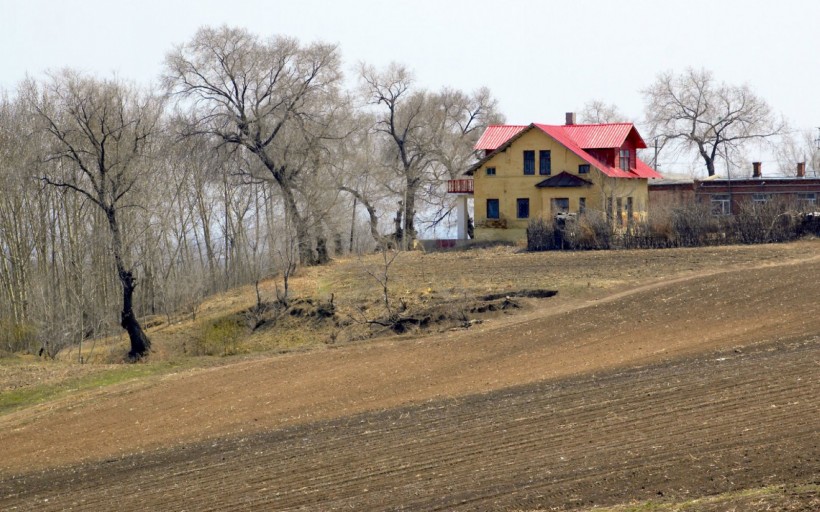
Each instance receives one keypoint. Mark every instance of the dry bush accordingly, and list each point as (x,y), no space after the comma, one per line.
(17,337)
(776,220)
(694,225)
(541,234)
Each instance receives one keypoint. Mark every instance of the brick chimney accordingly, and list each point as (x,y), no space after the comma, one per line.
(756,170)
(570,118)
(801,169)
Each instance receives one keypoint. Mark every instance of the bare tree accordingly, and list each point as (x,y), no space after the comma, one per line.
(796,147)
(597,111)
(693,111)
(403,118)
(101,133)
(264,96)
(427,138)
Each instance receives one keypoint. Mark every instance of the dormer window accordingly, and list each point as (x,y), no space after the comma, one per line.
(624,160)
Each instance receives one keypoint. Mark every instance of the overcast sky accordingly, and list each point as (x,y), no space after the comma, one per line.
(539,58)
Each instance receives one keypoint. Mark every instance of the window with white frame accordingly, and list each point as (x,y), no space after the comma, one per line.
(807,198)
(721,204)
(760,198)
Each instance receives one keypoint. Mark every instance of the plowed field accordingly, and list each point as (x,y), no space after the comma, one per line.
(672,391)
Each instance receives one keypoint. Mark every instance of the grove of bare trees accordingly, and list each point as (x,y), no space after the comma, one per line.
(119,204)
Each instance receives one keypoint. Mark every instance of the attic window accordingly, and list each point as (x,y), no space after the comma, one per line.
(490,171)
(583,169)
(624,160)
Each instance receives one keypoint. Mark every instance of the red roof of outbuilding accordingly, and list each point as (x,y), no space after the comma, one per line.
(576,138)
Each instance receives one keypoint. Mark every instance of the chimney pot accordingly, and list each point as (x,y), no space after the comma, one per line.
(756,170)
(801,169)
(570,118)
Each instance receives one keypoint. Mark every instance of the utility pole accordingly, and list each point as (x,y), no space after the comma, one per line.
(655,159)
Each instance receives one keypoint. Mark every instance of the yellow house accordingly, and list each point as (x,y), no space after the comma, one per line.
(552,171)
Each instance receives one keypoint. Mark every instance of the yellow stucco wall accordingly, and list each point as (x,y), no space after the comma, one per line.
(510,183)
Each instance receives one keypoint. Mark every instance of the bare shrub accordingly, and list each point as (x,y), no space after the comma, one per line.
(17,337)
(775,220)
(693,225)
(541,234)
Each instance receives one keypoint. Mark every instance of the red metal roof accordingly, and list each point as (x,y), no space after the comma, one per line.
(613,134)
(597,136)
(497,134)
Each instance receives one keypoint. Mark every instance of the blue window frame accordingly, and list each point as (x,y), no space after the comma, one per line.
(492,209)
(529,161)
(544,162)
(523,208)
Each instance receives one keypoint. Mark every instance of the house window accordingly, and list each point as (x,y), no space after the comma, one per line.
(609,210)
(807,198)
(544,162)
(620,207)
(529,161)
(559,205)
(492,209)
(721,204)
(582,205)
(630,210)
(761,198)
(624,159)
(583,169)
(490,171)
(523,208)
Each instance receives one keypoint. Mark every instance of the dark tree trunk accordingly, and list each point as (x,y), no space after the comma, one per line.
(140,343)
(280,175)
(322,255)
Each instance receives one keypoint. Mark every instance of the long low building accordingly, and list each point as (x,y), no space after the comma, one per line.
(726,196)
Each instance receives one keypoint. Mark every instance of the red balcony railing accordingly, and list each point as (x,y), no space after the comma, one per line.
(459,186)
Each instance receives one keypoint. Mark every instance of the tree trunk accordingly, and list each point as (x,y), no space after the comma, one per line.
(140,343)
(322,256)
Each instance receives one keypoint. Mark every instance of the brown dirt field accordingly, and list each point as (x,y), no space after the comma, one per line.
(670,431)
(475,419)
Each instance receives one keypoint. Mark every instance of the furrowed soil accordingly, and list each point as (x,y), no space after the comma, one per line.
(704,384)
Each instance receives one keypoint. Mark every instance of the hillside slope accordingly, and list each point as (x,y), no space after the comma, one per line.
(651,348)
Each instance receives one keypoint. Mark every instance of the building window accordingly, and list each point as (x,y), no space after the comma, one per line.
(761,198)
(609,210)
(544,162)
(630,210)
(582,205)
(523,208)
(721,204)
(529,161)
(583,169)
(624,159)
(807,198)
(492,209)
(490,171)
(559,205)
(619,203)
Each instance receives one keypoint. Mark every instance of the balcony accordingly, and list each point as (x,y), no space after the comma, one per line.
(460,186)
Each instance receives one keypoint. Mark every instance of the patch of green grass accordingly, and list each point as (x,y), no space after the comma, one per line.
(28,396)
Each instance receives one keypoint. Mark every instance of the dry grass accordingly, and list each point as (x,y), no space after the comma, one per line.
(444,280)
